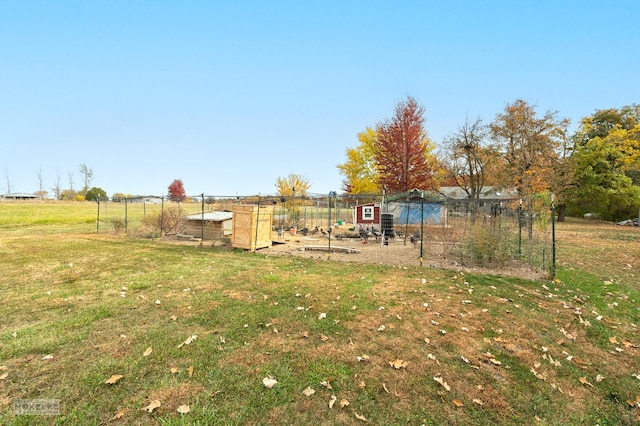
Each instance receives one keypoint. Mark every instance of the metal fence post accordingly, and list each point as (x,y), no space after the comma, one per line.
(98,221)
(553,236)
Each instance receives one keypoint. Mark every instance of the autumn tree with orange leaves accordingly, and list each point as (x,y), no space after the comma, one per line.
(529,145)
(403,151)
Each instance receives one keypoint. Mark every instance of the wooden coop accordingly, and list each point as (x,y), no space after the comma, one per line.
(210,225)
(251,227)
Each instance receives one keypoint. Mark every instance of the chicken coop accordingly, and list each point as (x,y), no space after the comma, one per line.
(251,227)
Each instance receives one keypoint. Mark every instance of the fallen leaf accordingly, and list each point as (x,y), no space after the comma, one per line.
(114,379)
(613,340)
(478,401)
(308,391)
(326,384)
(190,370)
(152,406)
(584,381)
(495,361)
(47,357)
(173,317)
(148,351)
(174,370)
(458,403)
(398,364)
(4,376)
(332,401)
(119,414)
(364,358)
(189,340)
(599,378)
(442,382)
(322,315)
(183,409)
(344,403)
(360,417)
(269,382)
(324,338)
(385,388)
(362,384)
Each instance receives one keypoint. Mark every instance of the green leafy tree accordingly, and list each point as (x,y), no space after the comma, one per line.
(404,154)
(607,164)
(95,194)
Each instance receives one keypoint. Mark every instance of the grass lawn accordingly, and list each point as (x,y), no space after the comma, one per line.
(198,329)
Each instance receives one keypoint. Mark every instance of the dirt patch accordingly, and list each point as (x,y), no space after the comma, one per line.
(396,252)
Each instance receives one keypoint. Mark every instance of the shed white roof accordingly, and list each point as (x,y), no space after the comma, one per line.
(212,216)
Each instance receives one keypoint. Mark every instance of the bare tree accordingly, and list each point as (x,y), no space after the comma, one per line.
(70,180)
(41,191)
(467,156)
(6,172)
(87,175)
(57,190)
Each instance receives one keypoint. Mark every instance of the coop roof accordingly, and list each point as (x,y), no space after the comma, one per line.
(487,192)
(212,216)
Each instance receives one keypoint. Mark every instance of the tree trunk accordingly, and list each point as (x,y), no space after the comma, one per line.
(562,209)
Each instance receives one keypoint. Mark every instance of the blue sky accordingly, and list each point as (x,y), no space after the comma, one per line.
(230,95)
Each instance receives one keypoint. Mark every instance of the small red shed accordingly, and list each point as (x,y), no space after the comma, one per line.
(366,214)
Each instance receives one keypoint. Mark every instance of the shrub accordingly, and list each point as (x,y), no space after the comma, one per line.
(488,243)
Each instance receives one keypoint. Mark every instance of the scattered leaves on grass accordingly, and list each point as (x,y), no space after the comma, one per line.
(152,406)
(478,401)
(344,403)
(308,391)
(584,381)
(47,357)
(442,382)
(398,364)
(322,315)
(183,409)
(363,358)
(174,370)
(613,340)
(384,386)
(4,375)
(458,403)
(114,379)
(269,382)
(147,352)
(174,317)
(190,370)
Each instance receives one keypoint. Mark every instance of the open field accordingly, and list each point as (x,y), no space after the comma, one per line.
(399,345)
